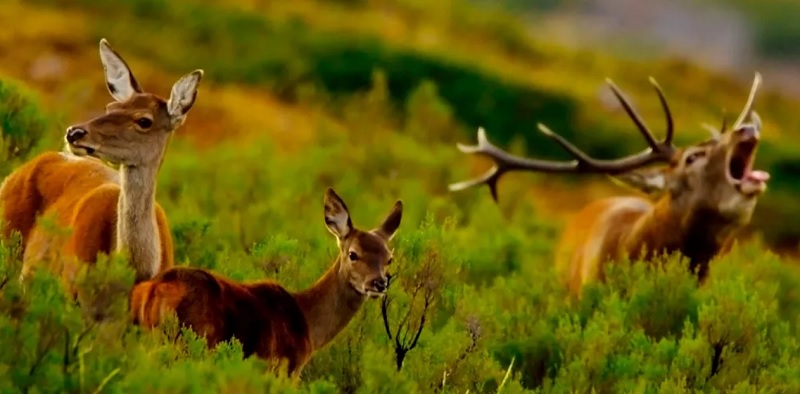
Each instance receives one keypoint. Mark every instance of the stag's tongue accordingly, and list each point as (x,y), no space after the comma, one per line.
(757,176)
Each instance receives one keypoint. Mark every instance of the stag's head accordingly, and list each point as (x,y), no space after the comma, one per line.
(363,255)
(715,175)
(136,127)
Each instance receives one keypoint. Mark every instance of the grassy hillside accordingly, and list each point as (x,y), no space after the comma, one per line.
(369,97)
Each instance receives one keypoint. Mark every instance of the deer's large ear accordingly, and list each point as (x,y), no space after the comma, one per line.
(119,78)
(183,96)
(337,216)
(652,182)
(389,226)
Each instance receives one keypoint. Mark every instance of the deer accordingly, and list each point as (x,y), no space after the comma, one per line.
(694,198)
(268,320)
(104,209)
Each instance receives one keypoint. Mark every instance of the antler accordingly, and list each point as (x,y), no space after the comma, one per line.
(747,111)
(582,163)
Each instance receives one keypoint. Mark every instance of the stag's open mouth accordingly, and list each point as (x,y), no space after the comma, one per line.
(740,168)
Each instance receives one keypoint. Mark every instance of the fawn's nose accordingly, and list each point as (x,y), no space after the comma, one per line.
(379,284)
(75,133)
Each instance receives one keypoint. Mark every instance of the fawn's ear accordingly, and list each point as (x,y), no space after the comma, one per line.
(391,223)
(119,78)
(183,96)
(337,217)
(652,182)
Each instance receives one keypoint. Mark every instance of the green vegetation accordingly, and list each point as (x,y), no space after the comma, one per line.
(477,278)
(22,124)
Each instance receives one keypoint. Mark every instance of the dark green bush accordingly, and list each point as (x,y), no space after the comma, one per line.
(22,123)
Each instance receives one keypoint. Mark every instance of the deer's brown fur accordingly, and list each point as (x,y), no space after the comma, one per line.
(270,321)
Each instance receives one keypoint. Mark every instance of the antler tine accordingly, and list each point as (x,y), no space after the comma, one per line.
(648,136)
(711,129)
(724,125)
(489,178)
(667,113)
(574,151)
(748,107)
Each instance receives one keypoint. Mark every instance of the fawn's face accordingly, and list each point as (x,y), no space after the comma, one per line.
(136,127)
(716,175)
(363,255)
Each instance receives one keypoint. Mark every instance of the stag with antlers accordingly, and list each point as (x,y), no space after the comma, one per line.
(698,199)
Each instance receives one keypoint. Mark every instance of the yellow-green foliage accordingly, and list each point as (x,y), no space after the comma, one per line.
(476,277)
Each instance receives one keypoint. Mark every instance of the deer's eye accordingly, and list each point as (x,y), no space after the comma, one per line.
(391,259)
(353,256)
(693,157)
(144,123)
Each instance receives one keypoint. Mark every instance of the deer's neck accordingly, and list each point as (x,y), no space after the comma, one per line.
(329,305)
(697,234)
(137,231)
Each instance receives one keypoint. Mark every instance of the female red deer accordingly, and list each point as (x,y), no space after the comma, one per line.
(268,320)
(106,210)
(700,199)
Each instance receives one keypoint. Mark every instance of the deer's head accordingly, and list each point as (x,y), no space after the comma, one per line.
(136,127)
(716,175)
(363,255)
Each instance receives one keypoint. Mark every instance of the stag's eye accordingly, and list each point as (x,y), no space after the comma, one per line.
(144,123)
(693,157)
(353,256)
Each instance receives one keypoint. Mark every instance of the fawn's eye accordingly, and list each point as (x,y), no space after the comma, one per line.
(694,156)
(353,256)
(391,259)
(144,123)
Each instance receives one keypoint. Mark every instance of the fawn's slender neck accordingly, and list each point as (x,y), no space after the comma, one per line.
(697,234)
(137,231)
(329,305)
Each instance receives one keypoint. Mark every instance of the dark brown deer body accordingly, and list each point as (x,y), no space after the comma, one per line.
(705,194)
(268,320)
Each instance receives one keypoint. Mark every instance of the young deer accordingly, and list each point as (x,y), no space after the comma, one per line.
(105,209)
(268,320)
(699,200)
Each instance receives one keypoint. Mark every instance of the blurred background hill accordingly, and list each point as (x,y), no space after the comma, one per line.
(284,68)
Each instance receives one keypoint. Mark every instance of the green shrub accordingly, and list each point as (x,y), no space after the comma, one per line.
(22,123)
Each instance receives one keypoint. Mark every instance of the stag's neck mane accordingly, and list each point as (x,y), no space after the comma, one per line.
(698,234)
(137,231)
(329,305)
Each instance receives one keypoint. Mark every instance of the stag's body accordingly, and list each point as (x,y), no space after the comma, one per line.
(619,228)
(105,210)
(706,193)
(268,320)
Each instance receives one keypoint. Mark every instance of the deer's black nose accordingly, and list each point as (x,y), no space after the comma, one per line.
(75,133)
(379,285)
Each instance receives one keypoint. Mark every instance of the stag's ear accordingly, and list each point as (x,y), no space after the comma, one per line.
(652,181)
(391,223)
(337,216)
(183,96)
(119,78)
